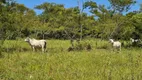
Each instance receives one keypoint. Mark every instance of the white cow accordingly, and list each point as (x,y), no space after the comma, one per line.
(116,44)
(36,43)
(134,40)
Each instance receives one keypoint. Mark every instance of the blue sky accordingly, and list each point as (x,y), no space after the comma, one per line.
(68,3)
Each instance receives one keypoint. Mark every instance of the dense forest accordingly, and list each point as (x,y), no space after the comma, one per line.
(58,22)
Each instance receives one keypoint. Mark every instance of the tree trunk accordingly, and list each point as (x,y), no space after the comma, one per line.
(43,35)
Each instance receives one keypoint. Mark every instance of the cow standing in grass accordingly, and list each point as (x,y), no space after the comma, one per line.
(135,42)
(36,43)
(116,44)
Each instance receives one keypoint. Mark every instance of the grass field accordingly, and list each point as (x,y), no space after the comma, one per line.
(18,62)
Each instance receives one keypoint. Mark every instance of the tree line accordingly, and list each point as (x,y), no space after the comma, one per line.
(58,22)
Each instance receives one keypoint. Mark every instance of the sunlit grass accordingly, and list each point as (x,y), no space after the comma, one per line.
(100,63)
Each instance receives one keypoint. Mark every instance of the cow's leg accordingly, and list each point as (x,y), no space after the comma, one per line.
(33,49)
(43,49)
(120,48)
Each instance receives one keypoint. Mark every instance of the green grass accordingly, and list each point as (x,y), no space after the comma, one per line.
(101,63)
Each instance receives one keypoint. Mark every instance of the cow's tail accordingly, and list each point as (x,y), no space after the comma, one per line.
(45,45)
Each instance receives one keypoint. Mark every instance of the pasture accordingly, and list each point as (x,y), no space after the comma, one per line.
(18,62)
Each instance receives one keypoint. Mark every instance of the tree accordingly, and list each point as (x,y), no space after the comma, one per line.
(5,26)
(120,6)
(140,7)
(137,25)
(103,25)
(50,16)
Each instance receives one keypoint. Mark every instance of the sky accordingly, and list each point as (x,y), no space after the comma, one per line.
(68,3)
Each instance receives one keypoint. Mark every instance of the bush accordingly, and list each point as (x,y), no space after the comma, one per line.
(80,45)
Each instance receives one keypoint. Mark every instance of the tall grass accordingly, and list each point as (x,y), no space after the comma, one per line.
(101,63)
